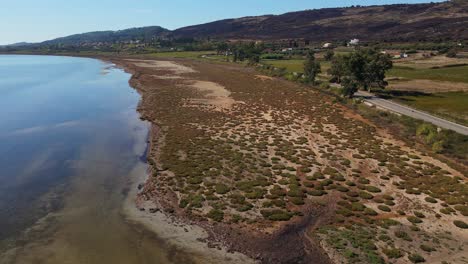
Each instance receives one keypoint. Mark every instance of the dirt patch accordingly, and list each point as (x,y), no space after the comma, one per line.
(163,65)
(264,78)
(215,95)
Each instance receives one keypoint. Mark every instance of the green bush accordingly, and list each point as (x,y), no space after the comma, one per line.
(373,189)
(427,248)
(216,215)
(276,215)
(416,258)
(403,235)
(297,200)
(365,195)
(357,207)
(316,192)
(342,189)
(414,219)
(463,209)
(393,253)
(221,188)
(430,200)
(369,211)
(363,181)
(419,214)
(384,208)
(460,224)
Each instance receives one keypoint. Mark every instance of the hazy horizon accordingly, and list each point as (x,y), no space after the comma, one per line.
(32,21)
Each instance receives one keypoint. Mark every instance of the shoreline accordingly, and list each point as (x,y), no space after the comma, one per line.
(184,236)
(188,237)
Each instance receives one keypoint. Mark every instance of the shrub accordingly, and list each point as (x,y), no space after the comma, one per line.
(427,248)
(388,197)
(221,188)
(416,258)
(384,208)
(342,189)
(403,235)
(316,192)
(414,219)
(430,200)
(344,212)
(196,201)
(365,195)
(460,224)
(276,215)
(369,211)
(384,238)
(386,223)
(216,215)
(463,209)
(373,189)
(357,207)
(419,214)
(393,253)
(297,200)
(183,203)
(363,181)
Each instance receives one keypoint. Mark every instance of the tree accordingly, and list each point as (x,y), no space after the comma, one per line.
(221,47)
(349,87)
(329,55)
(311,68)
(338,69)
(452,53)
(367,67)
(250,51)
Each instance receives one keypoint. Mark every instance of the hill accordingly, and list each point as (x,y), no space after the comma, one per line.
(143,33)
(402,22)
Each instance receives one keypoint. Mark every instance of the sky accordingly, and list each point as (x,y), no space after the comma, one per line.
(39,20)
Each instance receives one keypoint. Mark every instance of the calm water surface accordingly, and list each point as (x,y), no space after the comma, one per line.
(69,139)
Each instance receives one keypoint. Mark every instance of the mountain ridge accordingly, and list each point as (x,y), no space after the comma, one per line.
(397,22)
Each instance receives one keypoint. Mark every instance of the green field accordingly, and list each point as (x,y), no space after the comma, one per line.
(296,65)
(290,65)
(453,105)
(449,74)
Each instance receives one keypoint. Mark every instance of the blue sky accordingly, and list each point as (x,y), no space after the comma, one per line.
(38,20)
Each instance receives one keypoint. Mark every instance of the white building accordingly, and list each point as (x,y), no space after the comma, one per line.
(327,45)
(354,42)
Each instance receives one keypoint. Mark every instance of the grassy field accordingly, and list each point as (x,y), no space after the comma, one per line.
(290,65)
(449,74)
(296,65)
(452,105)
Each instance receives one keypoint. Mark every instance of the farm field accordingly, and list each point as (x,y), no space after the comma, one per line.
(452,105)
(448,74)
(290,65)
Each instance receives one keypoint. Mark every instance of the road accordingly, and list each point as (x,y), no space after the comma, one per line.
(408,111)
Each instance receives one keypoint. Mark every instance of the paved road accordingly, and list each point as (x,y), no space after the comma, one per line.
(405,110)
